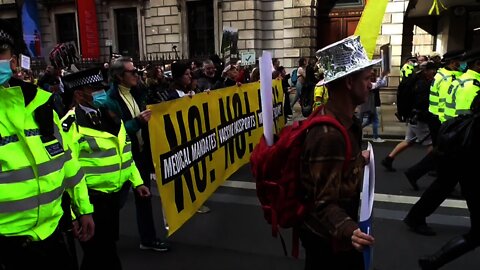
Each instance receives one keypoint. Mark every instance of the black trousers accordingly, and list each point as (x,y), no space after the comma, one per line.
(470,187)
(100,252)
(20,253)
(435,194)
(320,255)
(434,125)
(427,164)
(144,211)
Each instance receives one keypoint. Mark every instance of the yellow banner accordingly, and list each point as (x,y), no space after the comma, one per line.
(370,23)
(198,142)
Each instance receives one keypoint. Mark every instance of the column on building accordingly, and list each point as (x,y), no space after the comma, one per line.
(392,32)
(162,28)
(300,32)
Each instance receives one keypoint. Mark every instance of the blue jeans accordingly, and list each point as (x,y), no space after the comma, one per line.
(371,118)
(298,92)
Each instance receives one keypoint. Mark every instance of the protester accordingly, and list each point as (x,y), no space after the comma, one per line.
(255,75)
(300,80)
(417,127)
(157,85)
(284,77)
(230,75)
(129,103)
(207,79)
(330,233)
(368,110)
(180,87)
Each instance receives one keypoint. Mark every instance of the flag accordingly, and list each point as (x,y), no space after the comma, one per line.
(370,23)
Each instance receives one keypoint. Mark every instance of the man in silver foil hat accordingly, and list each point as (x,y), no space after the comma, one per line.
(330,233)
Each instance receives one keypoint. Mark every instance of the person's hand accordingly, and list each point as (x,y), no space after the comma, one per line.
(385,73)
(145,116)
(143,191)
(366,156)
(207,91)
(84,228)
(239,84)
(75,228)
(360,240)
(191,94)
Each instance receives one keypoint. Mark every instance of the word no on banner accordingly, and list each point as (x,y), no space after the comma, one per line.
(198,142)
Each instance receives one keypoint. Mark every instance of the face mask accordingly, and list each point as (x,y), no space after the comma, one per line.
(5,71)
(99,98)
(463,67)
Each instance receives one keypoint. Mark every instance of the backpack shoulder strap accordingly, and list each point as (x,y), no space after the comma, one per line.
(320,119)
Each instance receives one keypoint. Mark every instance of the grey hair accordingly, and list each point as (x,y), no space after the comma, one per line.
(207,62)
(117,68)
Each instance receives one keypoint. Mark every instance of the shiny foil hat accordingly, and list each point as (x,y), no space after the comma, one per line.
(344,57)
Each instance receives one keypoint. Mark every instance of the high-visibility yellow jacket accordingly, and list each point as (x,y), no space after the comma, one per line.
(442,81)
(106,158)
(34,170)
(461,94)
(320,95)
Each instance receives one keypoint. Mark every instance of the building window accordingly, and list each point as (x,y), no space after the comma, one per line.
(349,3)
(201,35)
(66,28)
(127,32)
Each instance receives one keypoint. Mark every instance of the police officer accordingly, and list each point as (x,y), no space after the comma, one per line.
(465,168)
(408,68)
(36,168)
(463,91)
(101,144)
(442,81)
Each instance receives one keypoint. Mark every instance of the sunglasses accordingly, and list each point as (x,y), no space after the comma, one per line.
(133,71)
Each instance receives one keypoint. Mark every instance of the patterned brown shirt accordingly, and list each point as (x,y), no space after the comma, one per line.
(336,193)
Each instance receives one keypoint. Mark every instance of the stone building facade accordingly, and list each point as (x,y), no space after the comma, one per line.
(289,28)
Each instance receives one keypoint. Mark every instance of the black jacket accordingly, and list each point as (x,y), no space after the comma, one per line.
(116,105)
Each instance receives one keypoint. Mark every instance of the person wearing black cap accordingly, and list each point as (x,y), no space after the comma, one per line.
(408,68)
(101,144)
(128,102)
(460,169)
(439,89)
(36,169)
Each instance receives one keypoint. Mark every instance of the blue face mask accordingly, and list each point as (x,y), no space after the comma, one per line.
(99,98)
(5,71)
(463,67)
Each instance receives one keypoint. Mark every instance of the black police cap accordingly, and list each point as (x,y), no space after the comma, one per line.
(454,55)
(10,36)
(90,77)
(472,55)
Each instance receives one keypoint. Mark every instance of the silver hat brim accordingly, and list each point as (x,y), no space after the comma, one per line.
(373,62)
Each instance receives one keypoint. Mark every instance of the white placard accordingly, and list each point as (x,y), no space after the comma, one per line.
(24,61)
(368,190)
(248,58)
(267,95)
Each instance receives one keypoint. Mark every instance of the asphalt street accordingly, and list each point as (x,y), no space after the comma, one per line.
(235,236)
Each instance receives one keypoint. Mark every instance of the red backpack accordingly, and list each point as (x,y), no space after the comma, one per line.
(276,169)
